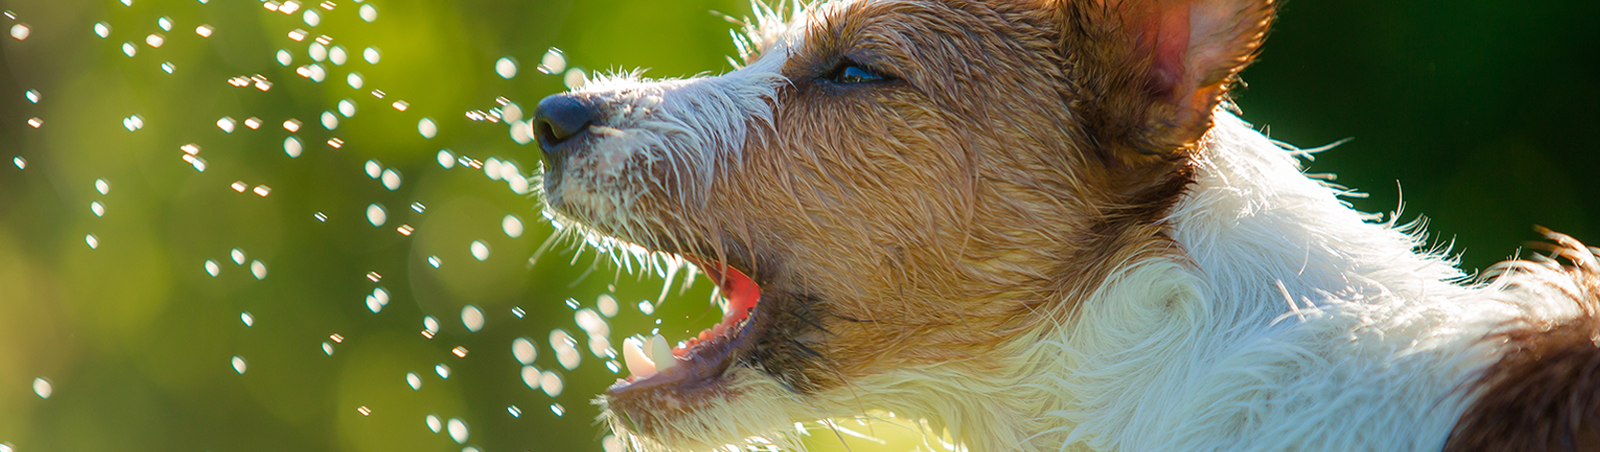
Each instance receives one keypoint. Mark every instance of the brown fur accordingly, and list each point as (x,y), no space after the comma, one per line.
(1544,392)
(1025,149)
(1040,157)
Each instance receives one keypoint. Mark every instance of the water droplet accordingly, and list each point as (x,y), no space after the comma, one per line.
(94,242)
(102,29)
(512,225)
(249,320)
(354,79)
(239,186)
(381,295)
(21,163)
(608,305)
(129,49)
(292,146)
(611,444)
(284,57)
(523,350)
(204,31)
(433,423)
(262,190)
(459,351)
(427,128)
(399,105)
(430,324)
(315,72)
(291,125)
(133,123)
(213,269)
(321,217)
(329,120)
(20,31)
(515,412)
(574,78)
(433,261)
(417,206)
(371,55)
(369,13)
(363,409)
(373,305)
(442,370)
(347,107)
(165,23)
(414,381)
(530,377)
(42,388)
(168,68)
(517,311)
(374,276)
(32,95)
(391,179)
(457,429)
(317,52)
(297,35)
(557,409)
(646,308)
(550,383)
(239,365)
(472,317)
(553,61)
(374,169)
(155,40)
(311,18)
(258,269)
(446,159)
(226,124)
(98,209)
(479,250)
(35,122)
(327,348)
(522,132)
(237,255)
(506,67)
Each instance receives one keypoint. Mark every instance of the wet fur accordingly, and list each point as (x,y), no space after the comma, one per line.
(1033,245)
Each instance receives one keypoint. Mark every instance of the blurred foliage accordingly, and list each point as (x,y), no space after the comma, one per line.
(1483,111)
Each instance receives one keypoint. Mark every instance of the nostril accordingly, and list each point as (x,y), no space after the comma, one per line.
(561,116)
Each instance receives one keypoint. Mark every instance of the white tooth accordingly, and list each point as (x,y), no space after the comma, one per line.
(633,355)
(661,353)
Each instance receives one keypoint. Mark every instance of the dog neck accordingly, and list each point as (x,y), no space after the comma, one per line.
(1279,313)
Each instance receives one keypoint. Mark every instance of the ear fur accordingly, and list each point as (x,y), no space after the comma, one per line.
(1153,70)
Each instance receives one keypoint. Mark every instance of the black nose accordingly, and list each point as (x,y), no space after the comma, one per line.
(559,118)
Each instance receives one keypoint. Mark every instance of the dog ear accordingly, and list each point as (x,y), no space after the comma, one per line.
(1153,70)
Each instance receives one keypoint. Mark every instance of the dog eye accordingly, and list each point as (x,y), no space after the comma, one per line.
(848,72)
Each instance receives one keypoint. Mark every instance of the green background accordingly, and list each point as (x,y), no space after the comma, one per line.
(1485,112)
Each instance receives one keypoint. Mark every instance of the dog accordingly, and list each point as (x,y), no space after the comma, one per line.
(1041,225)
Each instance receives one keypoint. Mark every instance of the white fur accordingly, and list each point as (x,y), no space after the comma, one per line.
(1288,323)
(685,131)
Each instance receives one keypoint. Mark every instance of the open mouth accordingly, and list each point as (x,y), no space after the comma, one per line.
(700,359)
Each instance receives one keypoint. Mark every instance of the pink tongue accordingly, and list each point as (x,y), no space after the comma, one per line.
(741,292)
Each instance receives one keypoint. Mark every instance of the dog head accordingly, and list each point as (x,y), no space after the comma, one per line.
(888,190)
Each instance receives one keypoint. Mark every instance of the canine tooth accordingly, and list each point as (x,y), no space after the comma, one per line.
(639,365)
(661,353)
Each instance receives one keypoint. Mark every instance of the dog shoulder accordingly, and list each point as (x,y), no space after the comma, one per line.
(1544,391)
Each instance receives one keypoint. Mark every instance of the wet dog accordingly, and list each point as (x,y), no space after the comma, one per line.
(1039,225)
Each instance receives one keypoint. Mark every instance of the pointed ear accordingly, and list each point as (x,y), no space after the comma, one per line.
(1153,70)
